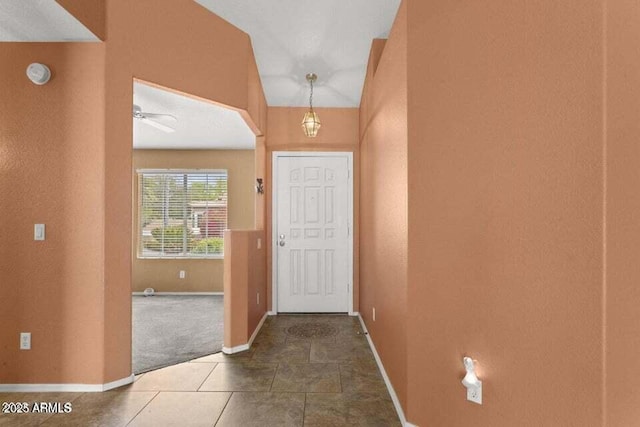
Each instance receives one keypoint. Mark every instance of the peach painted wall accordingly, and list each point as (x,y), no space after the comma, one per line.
(256,110)
(178,45)
(505,167)
(51,172)
(622,292)
(367,292)
(75,297)
(202,275)
(377,48)
(90,12)
(339,132)
(245,285)
(383,202)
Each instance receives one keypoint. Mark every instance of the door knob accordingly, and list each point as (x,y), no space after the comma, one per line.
(281,242)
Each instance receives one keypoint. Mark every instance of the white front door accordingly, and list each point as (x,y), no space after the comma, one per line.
(312,232)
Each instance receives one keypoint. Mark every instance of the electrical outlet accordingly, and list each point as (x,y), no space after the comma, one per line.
(374,314)
(25,340)
(182,274)
(474,394)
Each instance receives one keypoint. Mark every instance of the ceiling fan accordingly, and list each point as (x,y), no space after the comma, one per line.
(152,119)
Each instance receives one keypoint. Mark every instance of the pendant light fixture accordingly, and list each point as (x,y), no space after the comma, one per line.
(311,121)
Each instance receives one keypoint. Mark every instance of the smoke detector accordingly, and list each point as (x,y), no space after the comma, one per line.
(38,73)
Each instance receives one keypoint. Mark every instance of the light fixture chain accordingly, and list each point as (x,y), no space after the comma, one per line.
(310,121)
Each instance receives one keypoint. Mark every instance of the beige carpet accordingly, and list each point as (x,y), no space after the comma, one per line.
(170,329)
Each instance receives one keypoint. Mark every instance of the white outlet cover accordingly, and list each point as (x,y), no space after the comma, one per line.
(474,394)
(25,340)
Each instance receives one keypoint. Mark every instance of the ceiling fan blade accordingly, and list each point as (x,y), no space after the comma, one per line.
(157,125)
(160,116)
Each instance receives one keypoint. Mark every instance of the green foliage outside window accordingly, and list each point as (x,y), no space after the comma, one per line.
(163,197)
(204,191)
(171,239)
(211,245)
(182,213)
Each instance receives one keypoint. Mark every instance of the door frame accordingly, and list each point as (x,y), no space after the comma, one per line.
(274,218)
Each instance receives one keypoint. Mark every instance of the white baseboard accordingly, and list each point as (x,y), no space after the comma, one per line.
(79,388)
(354,313)
(118,383)
(255,332)
(236,349)
(245,347)
(272,313)
(392,392)
(180,293)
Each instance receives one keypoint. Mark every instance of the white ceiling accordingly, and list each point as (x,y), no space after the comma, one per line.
(200,125)
(39,20)
(291,38)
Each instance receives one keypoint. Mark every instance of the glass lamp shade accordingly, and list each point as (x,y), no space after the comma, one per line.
(311,124)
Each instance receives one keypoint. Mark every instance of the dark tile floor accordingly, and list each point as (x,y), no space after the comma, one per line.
(307,370)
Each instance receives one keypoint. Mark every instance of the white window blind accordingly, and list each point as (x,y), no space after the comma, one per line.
(182,214)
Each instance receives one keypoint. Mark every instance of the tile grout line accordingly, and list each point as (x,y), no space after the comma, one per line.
(223,409)
(143,408)
(304,409)
(253,353)
(206,377)
(274,377)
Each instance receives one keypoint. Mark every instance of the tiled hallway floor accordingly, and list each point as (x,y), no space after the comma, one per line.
(283,380)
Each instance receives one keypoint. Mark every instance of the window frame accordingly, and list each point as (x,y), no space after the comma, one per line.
(139,244)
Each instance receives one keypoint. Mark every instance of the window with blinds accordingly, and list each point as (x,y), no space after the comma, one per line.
(182,214)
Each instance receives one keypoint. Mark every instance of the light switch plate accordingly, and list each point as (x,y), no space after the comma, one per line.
(38,232)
